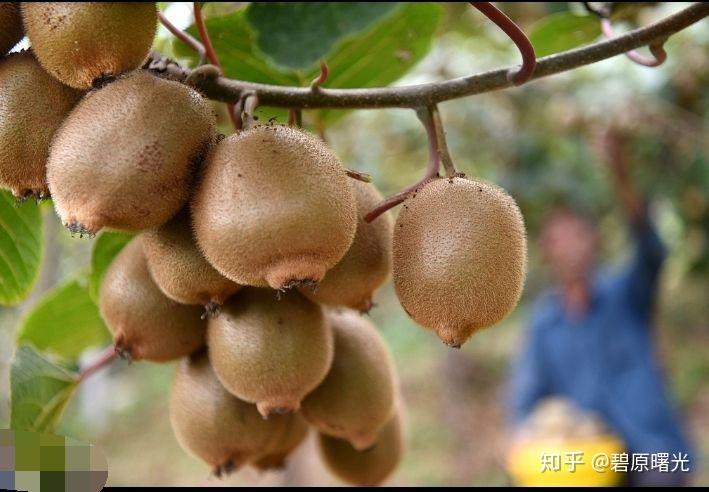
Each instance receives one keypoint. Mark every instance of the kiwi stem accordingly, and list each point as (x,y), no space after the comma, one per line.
(108,355)
(425,115)
(295,117)
(440,136)
(249,115)
(185,37)
(212,57)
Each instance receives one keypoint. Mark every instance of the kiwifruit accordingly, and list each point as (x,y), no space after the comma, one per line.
(32,106)
(367,263)
(290,438)
(365,467)
(459,256)
(179,268)
(145,324)
(11,31)
(212,424)
(357,397)
(274,208)
(125,156)
(80,43)
(268,351)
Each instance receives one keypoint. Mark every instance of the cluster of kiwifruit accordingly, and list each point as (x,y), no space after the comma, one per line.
(253,260)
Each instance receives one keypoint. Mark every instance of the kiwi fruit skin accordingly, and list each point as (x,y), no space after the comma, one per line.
(179,268)
(11,31)
(274,208)
(125,157)
(368,467)
(268,351)
(460,254)
(357,398)
(79,43)
(32,107)
(213,425)
(366,265)
(292,435)
(145,324)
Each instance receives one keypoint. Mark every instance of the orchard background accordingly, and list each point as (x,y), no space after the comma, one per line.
(537,141)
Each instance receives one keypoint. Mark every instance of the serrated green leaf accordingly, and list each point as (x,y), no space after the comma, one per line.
(40,390)
(106,247)
(65,322)
(563,31)
(21,248)
(297,35)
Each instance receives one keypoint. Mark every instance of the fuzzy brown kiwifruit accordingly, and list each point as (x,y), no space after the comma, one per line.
(293,434)
(32,107)
(268,351)
(274,208)
(212,424)
(357,398)
(459,256)
(82,43)
(367,467)
(179,268)
(126,156)
(11,31)
(366,265)
(145,324)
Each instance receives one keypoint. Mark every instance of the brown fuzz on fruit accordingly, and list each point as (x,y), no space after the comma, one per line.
(270,352)
(179,268)
(79,43)
(145,324)
(125,156)
(366,265)
(371,466)
(32,107)
(291,437)
(11,31)
(357,397)
(212,424)
(274,208)
(459,256)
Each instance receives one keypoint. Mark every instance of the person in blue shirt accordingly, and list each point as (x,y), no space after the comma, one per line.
(590,338)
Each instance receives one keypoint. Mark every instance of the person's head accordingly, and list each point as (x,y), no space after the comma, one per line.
(568,242)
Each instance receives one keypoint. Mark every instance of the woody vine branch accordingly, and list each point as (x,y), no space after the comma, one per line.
(415,96)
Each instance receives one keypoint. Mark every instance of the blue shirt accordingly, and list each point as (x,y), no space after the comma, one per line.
(604,361)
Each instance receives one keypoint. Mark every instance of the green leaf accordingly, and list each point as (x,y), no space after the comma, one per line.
(234,42)
(65,322)
(21,248)
(106,247)
(563,31)
(385,53)
(299,34)
(39,389)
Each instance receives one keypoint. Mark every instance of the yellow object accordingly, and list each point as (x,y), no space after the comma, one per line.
(534,462)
